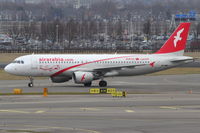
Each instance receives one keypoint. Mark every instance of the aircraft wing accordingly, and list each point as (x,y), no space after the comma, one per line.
(109,69)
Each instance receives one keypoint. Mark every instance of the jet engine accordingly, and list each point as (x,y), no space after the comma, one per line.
(60,79)
(83,77)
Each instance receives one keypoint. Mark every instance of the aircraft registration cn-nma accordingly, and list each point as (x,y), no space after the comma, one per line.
(84,68)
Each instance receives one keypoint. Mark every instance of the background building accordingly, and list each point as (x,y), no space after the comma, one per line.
(82,3)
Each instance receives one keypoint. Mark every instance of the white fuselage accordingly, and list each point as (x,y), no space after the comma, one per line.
(83,69)
(47,65)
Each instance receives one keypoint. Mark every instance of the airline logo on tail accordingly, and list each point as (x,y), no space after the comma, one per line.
(178,37)
(177,41)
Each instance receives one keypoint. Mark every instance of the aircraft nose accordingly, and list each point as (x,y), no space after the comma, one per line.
(8,69)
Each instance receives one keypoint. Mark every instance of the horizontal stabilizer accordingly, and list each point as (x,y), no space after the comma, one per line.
(182,60)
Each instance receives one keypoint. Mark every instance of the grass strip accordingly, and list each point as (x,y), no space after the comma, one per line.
(177,71)
(6,76)
(24,131)
(173,71)
(9,57)
(50,93)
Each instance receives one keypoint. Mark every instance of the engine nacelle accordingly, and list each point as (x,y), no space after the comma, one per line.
(83,77)
(60,79)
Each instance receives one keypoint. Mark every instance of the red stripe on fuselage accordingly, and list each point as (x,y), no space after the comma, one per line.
(71,67)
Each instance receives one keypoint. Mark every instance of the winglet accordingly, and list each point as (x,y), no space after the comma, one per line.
(177,41)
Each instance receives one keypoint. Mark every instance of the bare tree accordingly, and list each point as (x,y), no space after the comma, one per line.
(147,29)
(198,30)
(119,29)
(70,31)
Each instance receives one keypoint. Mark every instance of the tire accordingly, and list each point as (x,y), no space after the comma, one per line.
(88,84)
(30,84)
(102,83)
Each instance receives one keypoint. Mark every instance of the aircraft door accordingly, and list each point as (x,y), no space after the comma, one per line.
(34,65)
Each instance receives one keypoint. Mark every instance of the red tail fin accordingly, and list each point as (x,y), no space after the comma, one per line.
(177,41)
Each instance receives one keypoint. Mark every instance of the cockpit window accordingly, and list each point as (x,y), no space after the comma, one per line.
(18,61)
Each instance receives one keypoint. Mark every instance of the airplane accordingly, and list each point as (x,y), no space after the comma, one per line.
(85,68)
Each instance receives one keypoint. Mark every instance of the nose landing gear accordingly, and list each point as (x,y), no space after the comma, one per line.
(31,82)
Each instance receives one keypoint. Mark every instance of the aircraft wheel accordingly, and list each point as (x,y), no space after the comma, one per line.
(102,83)
(88,84)
(30,84)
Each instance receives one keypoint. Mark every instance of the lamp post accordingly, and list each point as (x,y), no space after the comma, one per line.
(57,26)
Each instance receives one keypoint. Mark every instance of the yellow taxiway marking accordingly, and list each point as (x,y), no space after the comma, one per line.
(47,127)
(169,107)
(90,109)
(130,111)
(39,112)
(22,112)
(76,129)
(15,111)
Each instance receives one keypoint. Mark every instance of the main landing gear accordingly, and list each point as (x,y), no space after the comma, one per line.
(88,84)
(31,82)
(102,83)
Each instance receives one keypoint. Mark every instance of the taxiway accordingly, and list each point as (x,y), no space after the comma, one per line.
(165,107)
